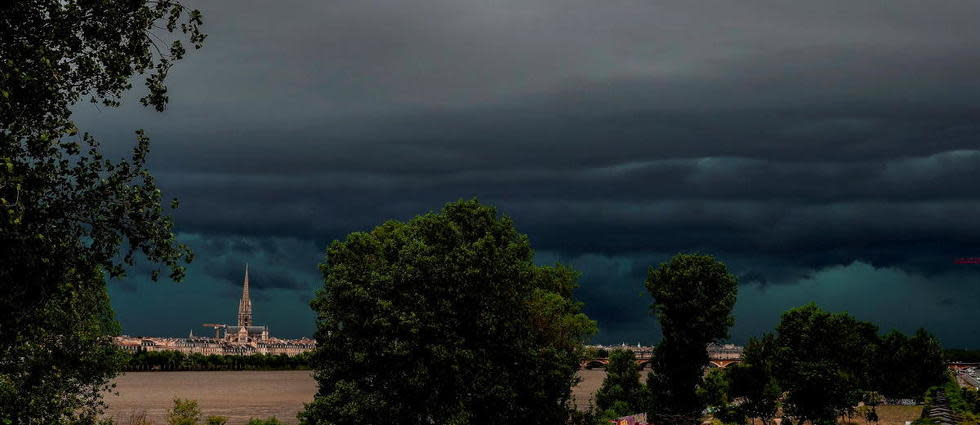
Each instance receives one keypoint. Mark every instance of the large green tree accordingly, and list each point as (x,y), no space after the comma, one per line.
(68,215)
(753,381)
(897,378)
(444,319)
(819,366)
(693,296)
(824,362)
(621,392)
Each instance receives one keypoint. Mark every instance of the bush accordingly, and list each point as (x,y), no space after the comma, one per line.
(184,412)
(216,420)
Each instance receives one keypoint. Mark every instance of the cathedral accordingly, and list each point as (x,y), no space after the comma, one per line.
(245,331)
(242,338)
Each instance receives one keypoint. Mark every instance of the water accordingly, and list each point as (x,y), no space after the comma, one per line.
(241,395)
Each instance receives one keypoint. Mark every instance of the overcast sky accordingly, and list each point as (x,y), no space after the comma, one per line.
(826,151)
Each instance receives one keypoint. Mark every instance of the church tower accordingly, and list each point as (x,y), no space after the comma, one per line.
(245,305)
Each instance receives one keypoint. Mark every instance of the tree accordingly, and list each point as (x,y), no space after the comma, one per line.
(897,352)
(69,216)
(824,363)
(693,296)
(714,388)
(184,412)
(444,319)
(753,380)
(715,392)
(621,390)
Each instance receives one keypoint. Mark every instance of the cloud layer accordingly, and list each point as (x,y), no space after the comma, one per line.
(797,142)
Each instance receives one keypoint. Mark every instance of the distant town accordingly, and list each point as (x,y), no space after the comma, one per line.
(246,338)
(719,355)
(243,338)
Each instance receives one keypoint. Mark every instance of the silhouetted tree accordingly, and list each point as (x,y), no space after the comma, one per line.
(693,296)
(823,362)
(621,391)
(444,319)
(907,367)
(753,381)
(69,216)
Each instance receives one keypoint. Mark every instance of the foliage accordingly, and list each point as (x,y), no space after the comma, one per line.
(823,361)
(753,381)
(971,399)
(962,401)
(68,215)
(585,416)
(962,355)
(175,360)
(184,412)
(898,351)
(818,366)
(715,393)
(216,420)
(714,388)
(693,296)
(444,319)
(621,391)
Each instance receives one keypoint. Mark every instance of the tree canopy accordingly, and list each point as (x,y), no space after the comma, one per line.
(819,366)
(621,393)
(693,297)
(908,366)
(752,380)
(444,319)
(68,215)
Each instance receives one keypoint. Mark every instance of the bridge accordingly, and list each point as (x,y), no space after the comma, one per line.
(643,364)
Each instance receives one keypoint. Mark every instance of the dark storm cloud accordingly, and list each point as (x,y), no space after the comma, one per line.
(789,139)
(817,214)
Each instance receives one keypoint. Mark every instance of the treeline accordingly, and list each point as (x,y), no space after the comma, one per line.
(814,367)
(175,360)
(962,355)
(447,318)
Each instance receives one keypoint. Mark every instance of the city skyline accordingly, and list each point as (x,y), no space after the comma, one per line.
(243,337)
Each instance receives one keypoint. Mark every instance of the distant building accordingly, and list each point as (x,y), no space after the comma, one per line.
(719,355)
(244,332)
(244,338)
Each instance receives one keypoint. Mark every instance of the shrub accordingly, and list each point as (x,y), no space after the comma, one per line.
(184,412)
(216,420)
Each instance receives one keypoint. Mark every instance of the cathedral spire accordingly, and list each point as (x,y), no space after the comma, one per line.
(245,305)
